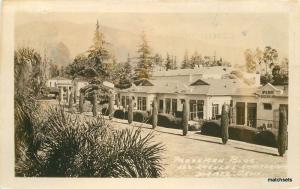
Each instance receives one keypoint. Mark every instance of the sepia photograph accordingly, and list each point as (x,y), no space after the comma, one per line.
(151,94)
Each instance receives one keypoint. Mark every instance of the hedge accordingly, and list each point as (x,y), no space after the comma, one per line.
(140,116)
(266,138)
(168,120)
(240,133)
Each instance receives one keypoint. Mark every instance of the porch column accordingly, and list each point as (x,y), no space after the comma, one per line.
(61,94)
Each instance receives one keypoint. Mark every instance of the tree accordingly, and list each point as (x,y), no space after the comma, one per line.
(154,113)
(225,123)
(54,70)
(145,61)
(158,60)
(186,62)
(196,60)
(282,131)
(98,55)
(168,64)
(185,118)
(269,58)
(250,61)
(174,63)
(98,62)
(28,71)
(79,67)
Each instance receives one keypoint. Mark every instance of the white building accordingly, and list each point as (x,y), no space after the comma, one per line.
(63,84)
(260,106)
(251,105)
(215,72)
(79,83)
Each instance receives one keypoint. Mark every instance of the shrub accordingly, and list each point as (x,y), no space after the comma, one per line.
(167,120)
(211,128)
(185,118)
(140,116)
(130,111)
(178,114)
(154,113)
(120,114)
(242,133)
(224,124)
(266,138)
(282,131)
(194,127)
(105,111)
(70,147)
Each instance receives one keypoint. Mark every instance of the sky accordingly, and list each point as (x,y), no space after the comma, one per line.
(223,34)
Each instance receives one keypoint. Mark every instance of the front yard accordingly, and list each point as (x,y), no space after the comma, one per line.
(203,156)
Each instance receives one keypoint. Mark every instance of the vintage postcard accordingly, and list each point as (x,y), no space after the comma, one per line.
(194,94)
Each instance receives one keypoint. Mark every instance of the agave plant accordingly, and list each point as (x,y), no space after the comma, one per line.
(70,146)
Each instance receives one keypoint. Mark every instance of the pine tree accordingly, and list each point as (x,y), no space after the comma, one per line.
(168,64)
(158,61)
(127,69)
(145,61)
(196,60)
(174,63)
(99,55)
(186,62)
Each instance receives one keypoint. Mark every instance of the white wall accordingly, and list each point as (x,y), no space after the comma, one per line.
(262,115)
(210,100)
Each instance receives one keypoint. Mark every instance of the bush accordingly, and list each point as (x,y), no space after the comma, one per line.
(70,147)
(178,114)
(266,138)
(211,128)
(105,111)
(167,120)
(194,127)
(242,133)
(120,114)
(140,116)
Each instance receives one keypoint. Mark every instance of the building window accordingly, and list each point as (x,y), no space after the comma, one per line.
(240,113)
(267,106)
(123,101)
(196,109)
(126,101)
(215,111)
(141,103)
(267,92)
(168,105)
(251,114)
(174,106)
(161,106)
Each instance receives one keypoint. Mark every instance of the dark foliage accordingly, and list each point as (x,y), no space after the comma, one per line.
(282,131)
(266,138)
(140,116)
(70,147)
(211,128)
